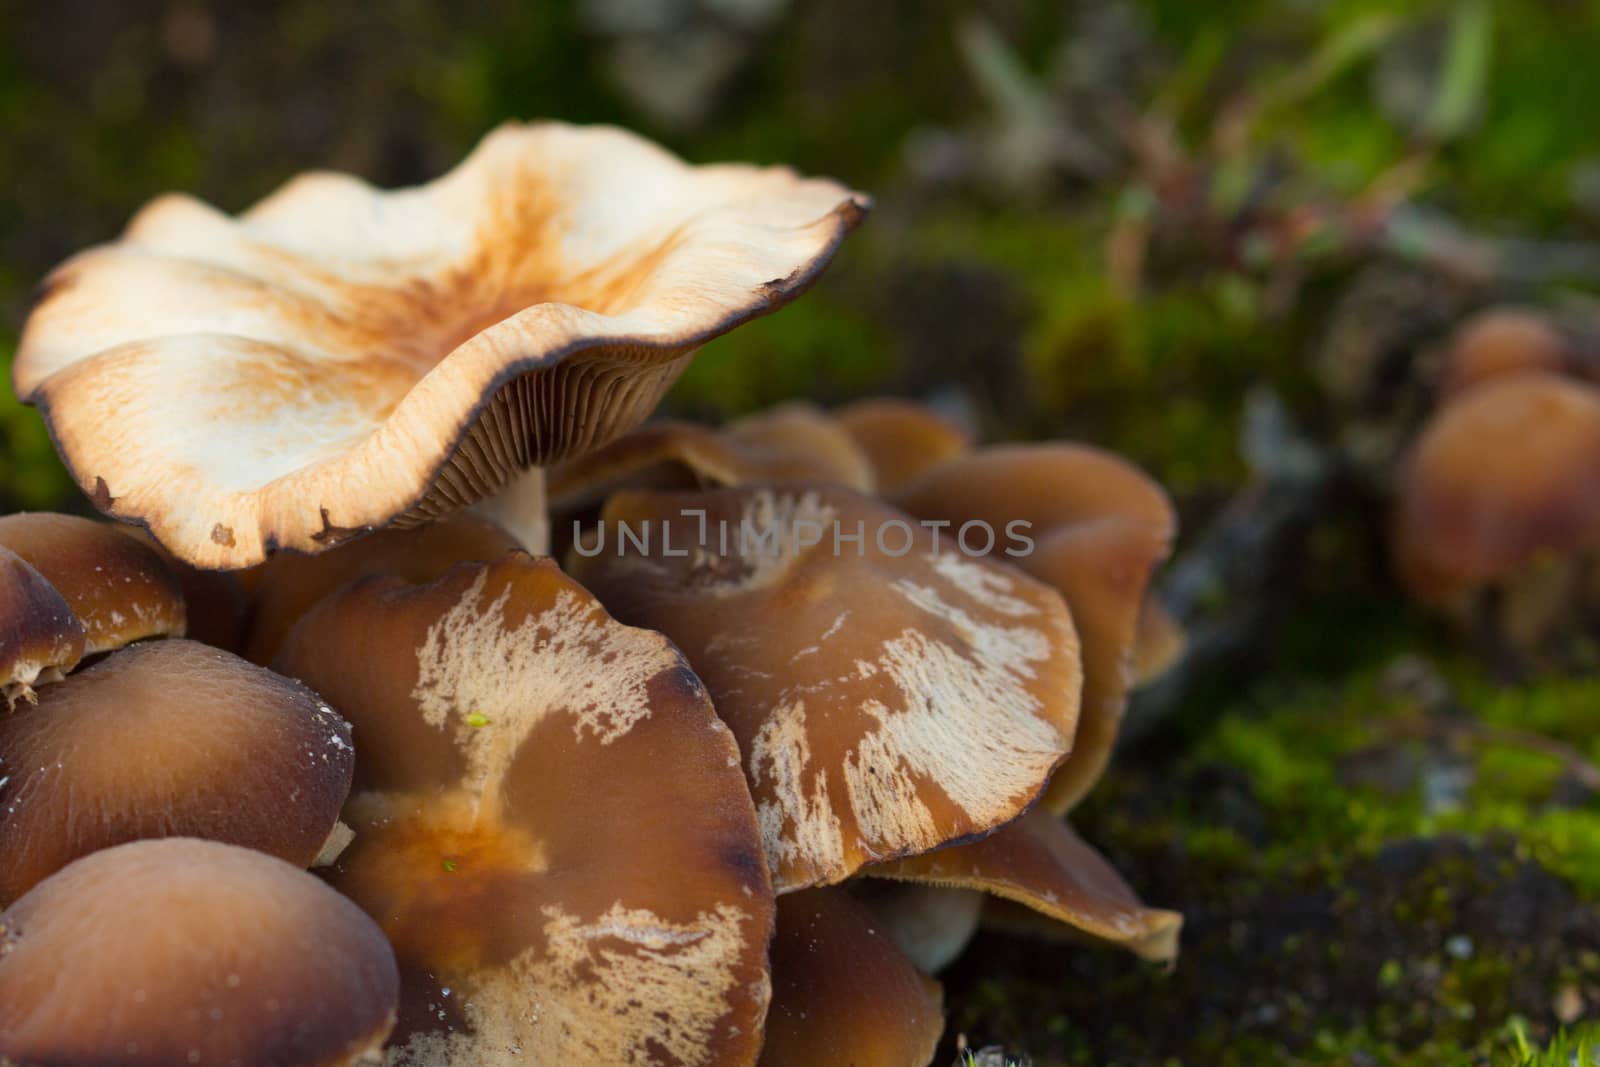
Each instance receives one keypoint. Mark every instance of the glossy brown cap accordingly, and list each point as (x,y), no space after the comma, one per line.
(550,824)
(903,440)
(1097,527)
(119,588)
(1508,471)
(1500,342)
(1039,862)
(338,357)
(167,739)
(798,443)
(40,638)
(290,584)
(842,993)
(186,952)
(216,604)
(888,697)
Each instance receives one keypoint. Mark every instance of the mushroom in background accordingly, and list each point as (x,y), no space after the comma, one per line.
(551,824)
(1503,341)
(191,952)
(1498,507)
(168,739)
(337,359)
(902,439)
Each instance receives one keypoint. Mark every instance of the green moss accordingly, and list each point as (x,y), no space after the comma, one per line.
(31,477)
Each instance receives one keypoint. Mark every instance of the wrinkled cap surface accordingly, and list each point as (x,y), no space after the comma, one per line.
(1096,528)
(888,696)
(1506,471)
(167,739)
(1039,862)
(40,637)
(190,952)
(842,993)
(119,588)
(338,357)
(550,824)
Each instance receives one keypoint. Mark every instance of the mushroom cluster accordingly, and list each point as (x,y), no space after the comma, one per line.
(805,698)
(1498,517)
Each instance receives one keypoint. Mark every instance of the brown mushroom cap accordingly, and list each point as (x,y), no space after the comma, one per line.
(902,440)
(1100,527)
(338,357)
(1509,470)
(290,584)
(551,824)
(1500,342)
(798,443)
(167,739)
(1037,861)
(190,952)
(885,703)
(40,638)
(120,589)
(1159,643)
(842,993)
(215,602)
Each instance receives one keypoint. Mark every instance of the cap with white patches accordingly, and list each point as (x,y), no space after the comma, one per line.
(935,712)
(339,357)
(168,738)
(550,822)
(1099,527)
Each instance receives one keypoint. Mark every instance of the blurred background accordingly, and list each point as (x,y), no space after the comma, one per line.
(1233,240)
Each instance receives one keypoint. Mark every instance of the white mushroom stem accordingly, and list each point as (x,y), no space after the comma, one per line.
(339,839)
(520,510)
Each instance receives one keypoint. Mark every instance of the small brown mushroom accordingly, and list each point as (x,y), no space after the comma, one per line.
(290,584)
(798,443)
(551,824)
(216,604)
(888,696)
(338,358)
(902,440)
(120,589)
(1037,861)
(1085,521)
(191,952)
(1500,342)
(842,993)
(40,638)
(1504,479)
(167,739)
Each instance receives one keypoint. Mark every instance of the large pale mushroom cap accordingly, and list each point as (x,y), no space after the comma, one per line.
(550,824)
(888,696)
(337,358)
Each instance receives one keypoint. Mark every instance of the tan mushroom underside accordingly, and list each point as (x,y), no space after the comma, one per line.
(337,357)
